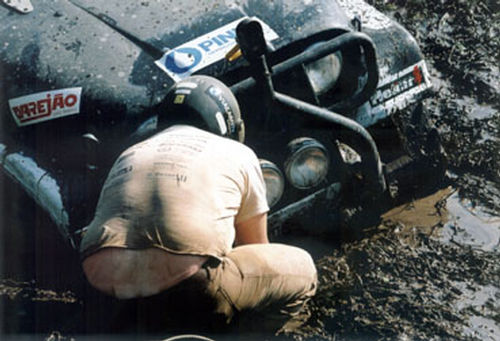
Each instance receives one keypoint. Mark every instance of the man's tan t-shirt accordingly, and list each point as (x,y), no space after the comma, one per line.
(181,190)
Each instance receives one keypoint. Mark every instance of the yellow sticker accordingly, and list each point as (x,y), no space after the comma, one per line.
(179,99)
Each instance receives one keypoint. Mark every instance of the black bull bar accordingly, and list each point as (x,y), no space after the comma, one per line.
(350,131)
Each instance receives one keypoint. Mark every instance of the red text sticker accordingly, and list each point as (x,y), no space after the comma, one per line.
(44,106)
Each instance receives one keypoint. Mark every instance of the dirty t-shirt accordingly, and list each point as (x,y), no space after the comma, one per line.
(181,190)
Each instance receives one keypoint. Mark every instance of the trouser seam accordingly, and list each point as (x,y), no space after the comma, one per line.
(228,299)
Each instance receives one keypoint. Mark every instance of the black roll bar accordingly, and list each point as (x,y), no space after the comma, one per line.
(324,49)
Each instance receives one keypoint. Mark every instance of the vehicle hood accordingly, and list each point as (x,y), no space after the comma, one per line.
(109,48)
(168,24)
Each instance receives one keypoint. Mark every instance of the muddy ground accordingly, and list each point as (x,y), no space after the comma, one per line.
(429,270)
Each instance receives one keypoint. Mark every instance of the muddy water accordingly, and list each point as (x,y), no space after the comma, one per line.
(452,220)
(469,225)
(428,271)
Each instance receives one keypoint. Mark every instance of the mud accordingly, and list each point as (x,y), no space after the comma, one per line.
(461,42)
(403,282)
(428,271)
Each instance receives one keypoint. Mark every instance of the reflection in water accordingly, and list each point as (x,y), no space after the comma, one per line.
(463,225)
(468,225)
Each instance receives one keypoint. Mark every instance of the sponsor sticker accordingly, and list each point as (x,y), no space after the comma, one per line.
(222,124)
(188,85)
(225,108)
(183,91)
(45,106)
(184,60)
(179,99)
(395,91)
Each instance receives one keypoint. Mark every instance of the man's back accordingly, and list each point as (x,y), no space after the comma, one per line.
(180,191)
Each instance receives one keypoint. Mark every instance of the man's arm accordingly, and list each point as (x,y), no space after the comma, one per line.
(252,231)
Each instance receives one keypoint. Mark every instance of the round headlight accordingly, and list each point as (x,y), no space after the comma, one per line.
(275,182)
(307,163)
(324,72)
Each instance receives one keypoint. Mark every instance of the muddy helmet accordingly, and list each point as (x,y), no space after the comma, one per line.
(206,103)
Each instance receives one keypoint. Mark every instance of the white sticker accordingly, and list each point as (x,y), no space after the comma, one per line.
(189,85)
(22,6)
(45,106)
(397,90)
(183,91)
(221,122)
(184,60)
(370,17)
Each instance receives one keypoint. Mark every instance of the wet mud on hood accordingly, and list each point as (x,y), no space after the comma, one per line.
(169,24)
(76,36)
(109,48)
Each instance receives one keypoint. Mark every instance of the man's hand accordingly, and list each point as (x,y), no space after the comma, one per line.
(252,231)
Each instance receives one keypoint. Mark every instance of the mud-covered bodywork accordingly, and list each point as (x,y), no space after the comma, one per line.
(82,80)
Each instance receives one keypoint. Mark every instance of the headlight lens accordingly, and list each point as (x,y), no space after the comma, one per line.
(307,163)
(275,182)
(324,73)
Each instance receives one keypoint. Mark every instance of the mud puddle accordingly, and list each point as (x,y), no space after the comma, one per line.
(450,219)
(470,225)
(413,277)
(456,221)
